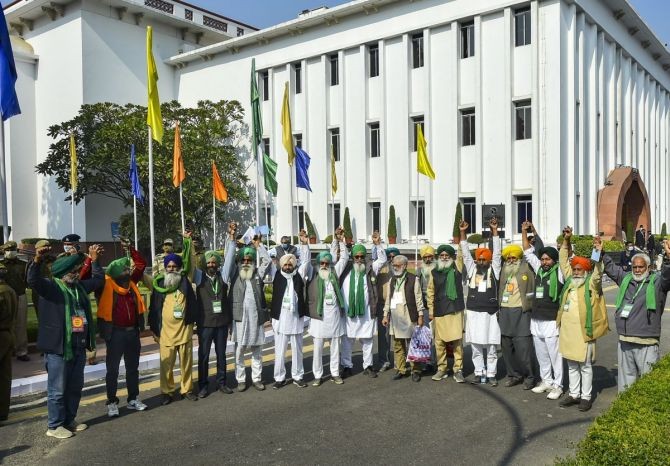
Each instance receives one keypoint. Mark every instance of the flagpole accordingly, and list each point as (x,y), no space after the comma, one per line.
(72,210)
(213,221)
(291,169)
(151,201)
(416,248)
(3,181)
(135,218)
(267,219)
(181,207)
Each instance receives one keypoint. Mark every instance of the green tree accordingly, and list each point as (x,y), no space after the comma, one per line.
(458,217)
(664,230)
(311,232)
(348,235)
(392,230)
(103,134)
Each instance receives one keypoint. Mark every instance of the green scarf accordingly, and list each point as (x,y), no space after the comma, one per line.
(553,280)
(650,293)
(587,297)
(451,281)
(162,290)
(321,287)
(69,304)
(356,294)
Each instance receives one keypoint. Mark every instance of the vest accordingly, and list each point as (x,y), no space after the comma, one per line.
(410,299)
(373,292)
(486,301)
(526,286)
(206,316)
(544,308)
(278,290)
(443,305)
(236,298)
(599,322)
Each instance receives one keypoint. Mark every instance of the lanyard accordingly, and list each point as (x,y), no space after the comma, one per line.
(638,289)
(75,295)
(215,287)
(399,283)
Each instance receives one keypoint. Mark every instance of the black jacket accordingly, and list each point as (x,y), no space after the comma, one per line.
(158,299)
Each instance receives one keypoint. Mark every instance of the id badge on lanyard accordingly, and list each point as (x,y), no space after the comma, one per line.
(539,292)
(216,307)
(178,310)
(505,297)
(329,299)
(286,303)
(625,311)
(78,321)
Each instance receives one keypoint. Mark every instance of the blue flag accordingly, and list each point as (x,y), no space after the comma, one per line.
(9,103)
(301,166)
(135,185)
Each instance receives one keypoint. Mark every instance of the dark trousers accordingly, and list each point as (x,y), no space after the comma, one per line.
(5,372)
(517,353)
(65,380)
(126,344)
(207,335)
(384,350)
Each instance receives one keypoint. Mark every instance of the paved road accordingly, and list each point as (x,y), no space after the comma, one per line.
(364,421)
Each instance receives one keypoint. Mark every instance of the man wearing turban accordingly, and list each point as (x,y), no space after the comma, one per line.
(120,320)
(288,310)
(384,353)
(482,330)
(65,332)
(359,288)
(548,286)
(582,319)
(212,319)
(446,305)
(171,319)
(326,306)
(248,306)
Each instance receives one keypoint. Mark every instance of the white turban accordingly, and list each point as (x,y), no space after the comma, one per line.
(286,258)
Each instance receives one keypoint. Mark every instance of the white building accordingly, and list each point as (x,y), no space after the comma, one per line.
(528,104)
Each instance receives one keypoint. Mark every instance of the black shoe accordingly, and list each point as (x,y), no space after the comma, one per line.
(167,399)
(512,381)
(299,383)
(584,405)
(416,377)
(24,358)
(346,372)
(398,376)
(370,372)
(529,384)
(226,389)
(189,396)
(428,369)
(569,401)
(278,385)
(203,393)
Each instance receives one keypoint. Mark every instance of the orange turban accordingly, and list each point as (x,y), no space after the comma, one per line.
(585,262)
(483,253)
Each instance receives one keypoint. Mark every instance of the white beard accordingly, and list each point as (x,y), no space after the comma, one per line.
(578,281)
(398,273)
(641,277)
(444,264)
(511,269)
(324,274)
(359,268)
(246,272)
(426,269)
(172,279)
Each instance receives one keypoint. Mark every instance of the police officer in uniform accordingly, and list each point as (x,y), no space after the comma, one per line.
(8,308)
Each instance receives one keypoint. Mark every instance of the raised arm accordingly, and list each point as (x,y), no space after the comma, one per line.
(564,253)
(496,262)
(97,279)
(44,287)
(378,253)
(531,258)
(340,246)
(304,257)
(468,261)
(597,274)
(265,260)
(665,268)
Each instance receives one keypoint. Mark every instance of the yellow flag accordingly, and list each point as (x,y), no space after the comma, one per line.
(333,175)
(220,191)
(178,171)
(287,132)
(154,119)
(73,164)
(422,163)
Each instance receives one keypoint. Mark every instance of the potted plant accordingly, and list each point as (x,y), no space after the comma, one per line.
(458,217)
(348,235)
(392,232)
(311,234)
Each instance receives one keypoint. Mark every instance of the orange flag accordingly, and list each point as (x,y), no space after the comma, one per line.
(220,191)
(178,171)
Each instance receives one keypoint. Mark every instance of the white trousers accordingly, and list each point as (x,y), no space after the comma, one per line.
(549,359)
(317,357)
(635,360)
(348,343)
(256,363)
(481,368)
(580,375)
(281,344)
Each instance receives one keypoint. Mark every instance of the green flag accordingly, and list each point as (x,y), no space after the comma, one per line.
(269,165)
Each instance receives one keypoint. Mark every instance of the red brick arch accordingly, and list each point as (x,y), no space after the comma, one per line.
(623,199)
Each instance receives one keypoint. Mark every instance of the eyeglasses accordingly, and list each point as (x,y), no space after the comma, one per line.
(247,261)
(324,263)
(360,258)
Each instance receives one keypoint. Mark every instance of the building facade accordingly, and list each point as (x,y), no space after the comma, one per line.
(539,106)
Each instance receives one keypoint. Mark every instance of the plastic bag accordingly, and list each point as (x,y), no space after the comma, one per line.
(419,345)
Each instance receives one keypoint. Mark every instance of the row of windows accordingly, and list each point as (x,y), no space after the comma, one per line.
(522,36)
(523,210)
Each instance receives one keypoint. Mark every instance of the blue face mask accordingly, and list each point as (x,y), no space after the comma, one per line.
(285,246)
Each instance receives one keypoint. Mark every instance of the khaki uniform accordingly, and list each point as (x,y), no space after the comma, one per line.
(8,309)
(16,279)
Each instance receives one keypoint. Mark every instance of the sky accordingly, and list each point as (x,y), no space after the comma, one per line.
(264,13)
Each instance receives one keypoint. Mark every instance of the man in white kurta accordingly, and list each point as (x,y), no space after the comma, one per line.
(360,295)
(326,309)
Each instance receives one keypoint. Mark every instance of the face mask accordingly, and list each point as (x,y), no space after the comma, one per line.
(68,249)
(285,246)
(11,254)
(631,248)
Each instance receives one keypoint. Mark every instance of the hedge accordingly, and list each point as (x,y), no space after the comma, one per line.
(635,429)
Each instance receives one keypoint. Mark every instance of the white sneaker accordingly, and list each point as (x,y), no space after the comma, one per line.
(555,393)
(113,410)
(59,432)
(542,388)
(137,405)
(77,426)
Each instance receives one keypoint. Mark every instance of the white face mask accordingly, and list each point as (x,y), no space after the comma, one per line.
(11,254)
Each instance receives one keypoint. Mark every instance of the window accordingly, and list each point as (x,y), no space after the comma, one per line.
(267,211)
(266,146)
(467,40)
(419,229)
(468,127)
(522,113)
(297,77)
(375,216)
(265,85)
(373,133)
(297,140)
(524,210)
(470,213)
(240,32)
(416,120)
(417,50)
(299,211)
(373,58)
(334,70)
(335,142)
(522,27)
(336,215)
